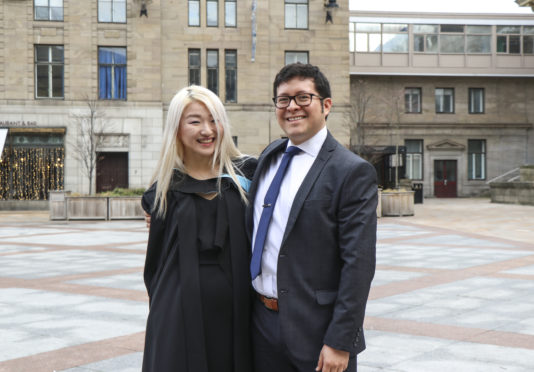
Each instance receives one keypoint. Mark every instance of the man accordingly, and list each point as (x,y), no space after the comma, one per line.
(316,258)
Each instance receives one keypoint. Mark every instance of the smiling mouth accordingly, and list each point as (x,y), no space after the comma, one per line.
(295,118)
(206,141)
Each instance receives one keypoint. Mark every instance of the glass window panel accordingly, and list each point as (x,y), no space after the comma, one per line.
(451,44)
(528,44)
(212,18)
(351,42)
(212,59)
(478,44)
(528,30)
(57,53)
(361,43)
(426,29)
(293,57)
(119,11)
(508,29)
(42,81)
(230,14)
(501,44)
(352,26)
(104,11)
(302,16)
(478,29)
(392,27)
(515,46)
(395,43)
(374,43)
(368,27)
(42,54)
(419,43)
(41,12)
(431,43)
(194,13)
(444,100)
(56,14)
(56,3)
(41,3)
(451,28)
(414,145)
(476,100)
(291,16)
(194,58)
(57,81)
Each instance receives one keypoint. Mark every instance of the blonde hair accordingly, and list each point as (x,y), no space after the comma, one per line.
(171,156)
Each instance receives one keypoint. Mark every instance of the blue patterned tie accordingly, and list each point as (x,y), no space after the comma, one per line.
(267,213)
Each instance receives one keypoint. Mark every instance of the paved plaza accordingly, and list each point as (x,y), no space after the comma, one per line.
(453,291)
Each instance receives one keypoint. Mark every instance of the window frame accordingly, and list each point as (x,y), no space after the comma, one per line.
(113,66)
(442,103)
(471,103)
(194,68)
(209,81)
(502,34)
(112,11)
(420,100)
(208,2)
(296,53)
(472,159)
(234,13)
(189,13)
(49,7)
(410,159)
(295,4)
(228,69)
(50,73)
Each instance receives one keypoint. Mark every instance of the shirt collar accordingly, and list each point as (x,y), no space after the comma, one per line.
(314,144)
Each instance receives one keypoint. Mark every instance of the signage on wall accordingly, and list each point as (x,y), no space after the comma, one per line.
(17,123)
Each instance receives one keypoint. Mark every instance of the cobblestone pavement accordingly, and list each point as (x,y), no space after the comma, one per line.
(453,291)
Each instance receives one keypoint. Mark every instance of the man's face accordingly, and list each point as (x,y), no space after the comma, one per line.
(302,123)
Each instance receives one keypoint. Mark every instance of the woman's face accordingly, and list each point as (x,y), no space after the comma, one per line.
(198,132)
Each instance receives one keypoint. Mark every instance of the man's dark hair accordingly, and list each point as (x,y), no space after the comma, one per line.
(302,70)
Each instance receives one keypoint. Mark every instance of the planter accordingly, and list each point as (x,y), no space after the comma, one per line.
(397,203)
(57,204)
(125,207)
(87,208)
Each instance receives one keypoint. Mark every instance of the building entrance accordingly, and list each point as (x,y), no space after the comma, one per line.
(32,163)
(445,178)
(111,171)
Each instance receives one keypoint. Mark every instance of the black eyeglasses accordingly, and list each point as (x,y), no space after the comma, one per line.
(303,99)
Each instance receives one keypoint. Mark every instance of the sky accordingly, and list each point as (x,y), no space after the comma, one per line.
(451,6)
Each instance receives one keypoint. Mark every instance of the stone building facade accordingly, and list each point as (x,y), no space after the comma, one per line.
(454,92)
(58,56)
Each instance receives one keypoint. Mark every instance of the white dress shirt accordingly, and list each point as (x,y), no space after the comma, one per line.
(301,163)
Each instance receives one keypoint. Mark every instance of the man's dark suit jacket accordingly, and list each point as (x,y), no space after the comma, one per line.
(327,256)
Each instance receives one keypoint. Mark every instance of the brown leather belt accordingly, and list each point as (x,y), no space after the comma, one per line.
(268,302)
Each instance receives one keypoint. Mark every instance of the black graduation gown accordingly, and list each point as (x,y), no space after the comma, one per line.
(175,332)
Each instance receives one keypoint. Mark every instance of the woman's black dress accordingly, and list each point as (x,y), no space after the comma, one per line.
(198,281)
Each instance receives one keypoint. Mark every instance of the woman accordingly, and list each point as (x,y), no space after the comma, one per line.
(196,269)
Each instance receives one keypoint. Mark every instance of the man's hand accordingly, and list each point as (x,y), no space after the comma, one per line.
(147,219)
(332,360)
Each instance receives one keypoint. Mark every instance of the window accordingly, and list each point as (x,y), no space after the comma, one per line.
(365,37)
(508,39)
(451,39)
(49,66)
(296,13)
(293,57)
(230,65)
(230,13)
(426,38)
(476,100)
(528,39)
(194,66)
(478,39)
(395,38)
(48,10)
(444,100)
(212,62)
(212,13)
(412,100)
(194,13)
(414,159)
(476,159)
(111,73)
(112,11)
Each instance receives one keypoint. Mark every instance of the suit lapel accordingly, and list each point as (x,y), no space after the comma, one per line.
(322,158)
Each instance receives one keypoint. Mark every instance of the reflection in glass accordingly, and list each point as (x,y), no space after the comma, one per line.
(478,44)
(452,44)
